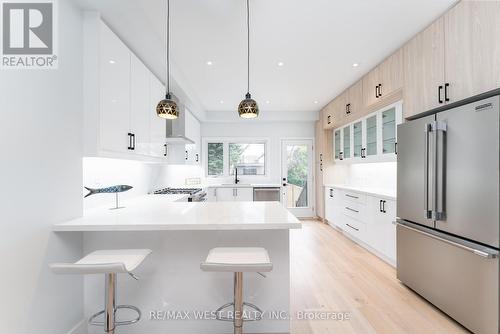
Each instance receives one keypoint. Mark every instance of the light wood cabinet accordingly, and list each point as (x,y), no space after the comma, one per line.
(370,84)
(424,69)
(472,48)
(354,102)
(319,167)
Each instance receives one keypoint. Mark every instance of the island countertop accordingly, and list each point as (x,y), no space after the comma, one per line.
(158,213)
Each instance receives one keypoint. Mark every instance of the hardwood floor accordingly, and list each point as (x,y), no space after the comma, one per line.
(331,273)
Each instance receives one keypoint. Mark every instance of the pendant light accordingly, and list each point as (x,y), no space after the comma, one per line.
(248,108)
(167,108)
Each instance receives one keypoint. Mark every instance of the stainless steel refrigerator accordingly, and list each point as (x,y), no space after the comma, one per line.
(448,235)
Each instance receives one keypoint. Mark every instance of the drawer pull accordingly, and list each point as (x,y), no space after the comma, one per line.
(352,196)
(348,208)
(356,229)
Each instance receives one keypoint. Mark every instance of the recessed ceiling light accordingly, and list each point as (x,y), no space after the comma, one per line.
(355,65)
(112,61)
(209,63)
(315,102)
(267,102)
(281,64)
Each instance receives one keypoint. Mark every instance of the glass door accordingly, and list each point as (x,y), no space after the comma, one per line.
(389,131)
(347,142)
(337,145)
(371,135)
(298,186)
(357,130)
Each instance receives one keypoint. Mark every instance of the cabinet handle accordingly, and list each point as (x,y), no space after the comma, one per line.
(341,155)
(352,196)
(376,92)
(380,206)
(331,192)
(186,155)
(363,150)
(197,157)
(133,141)
(357,229)
(166,150)
(379,90)
(395,148)
(321,157)
(348,208)
(329,119)
(320,166)
(440,88)
(446,85)
(383,206)
(129,141)
(348,109)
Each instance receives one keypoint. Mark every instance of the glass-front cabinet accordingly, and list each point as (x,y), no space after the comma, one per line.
(372,138)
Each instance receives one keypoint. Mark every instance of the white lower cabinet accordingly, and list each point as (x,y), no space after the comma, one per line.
(230,194)
(367,219)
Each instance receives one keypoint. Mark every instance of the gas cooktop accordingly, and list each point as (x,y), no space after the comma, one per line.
(175,191)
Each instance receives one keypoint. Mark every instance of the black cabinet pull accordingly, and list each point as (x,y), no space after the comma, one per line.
(186,155)
(331,192)
(348,109)
(320,166)
(380,206)
(133,141)
(129,141)
(395,148)
(341,155)
(356,229)
(379,90)
(321,157)
(197,157)
(166,150)
(376,92)
(446,85)
(440,88)
(383,206)
(329,119)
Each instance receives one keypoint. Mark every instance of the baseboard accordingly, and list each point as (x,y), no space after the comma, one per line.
(80,328)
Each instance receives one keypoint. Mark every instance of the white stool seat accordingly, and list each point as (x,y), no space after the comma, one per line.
(104,262)
(237,259)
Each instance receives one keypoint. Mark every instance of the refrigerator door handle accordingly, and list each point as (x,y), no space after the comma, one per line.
(428,213)
(479,252)
(439,175)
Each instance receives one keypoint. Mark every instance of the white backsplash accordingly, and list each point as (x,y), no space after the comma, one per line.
(373,175)
(176,175)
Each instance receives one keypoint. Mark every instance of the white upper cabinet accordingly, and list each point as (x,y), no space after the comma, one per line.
(114,84)
(139,105)
(372,138)
(157,125)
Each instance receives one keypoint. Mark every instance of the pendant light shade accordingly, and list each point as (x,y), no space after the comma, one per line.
(248,108)
(167,108)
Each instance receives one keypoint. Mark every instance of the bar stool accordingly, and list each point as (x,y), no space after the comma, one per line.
(110,263)
(238,260)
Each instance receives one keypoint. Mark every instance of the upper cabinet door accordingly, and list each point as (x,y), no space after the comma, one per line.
(327,116)
(371,135)
(354,104)
(357,130)
(139,105)
(337,142)
(114,79)
(370,83)
(472,48)
(391,74)
(424,70)
(346,141)
(157,125)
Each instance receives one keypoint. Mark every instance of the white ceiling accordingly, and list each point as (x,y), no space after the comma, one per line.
(317,40)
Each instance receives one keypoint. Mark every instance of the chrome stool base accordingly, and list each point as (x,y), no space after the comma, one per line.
(258,312)
(117,323)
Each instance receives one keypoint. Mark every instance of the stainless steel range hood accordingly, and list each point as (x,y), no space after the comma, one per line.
(176,128)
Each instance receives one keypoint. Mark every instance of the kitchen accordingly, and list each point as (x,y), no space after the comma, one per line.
(187,166)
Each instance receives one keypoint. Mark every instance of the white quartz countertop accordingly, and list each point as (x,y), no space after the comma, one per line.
(379,192)
(245,185)
(160,213)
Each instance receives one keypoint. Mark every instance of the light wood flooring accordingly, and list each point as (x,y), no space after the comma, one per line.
(331,273)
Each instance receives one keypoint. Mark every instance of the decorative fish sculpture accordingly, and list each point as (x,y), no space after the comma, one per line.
(108,190)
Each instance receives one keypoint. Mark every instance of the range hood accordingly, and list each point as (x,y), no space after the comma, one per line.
(176,128)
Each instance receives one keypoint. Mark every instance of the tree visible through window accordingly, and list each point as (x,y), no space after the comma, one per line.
(215,158)
(248,158)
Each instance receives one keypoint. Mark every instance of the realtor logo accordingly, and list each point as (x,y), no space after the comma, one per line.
(28,34)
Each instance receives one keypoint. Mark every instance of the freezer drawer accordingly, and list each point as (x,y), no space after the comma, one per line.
(461,281)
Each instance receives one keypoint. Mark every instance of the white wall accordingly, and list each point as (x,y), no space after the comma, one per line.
(274,131)
(372,175)
(176,175)
(40,176)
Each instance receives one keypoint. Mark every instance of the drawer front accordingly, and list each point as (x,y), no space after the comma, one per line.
(354,228)
(354,197)
(461,283)
(355,210)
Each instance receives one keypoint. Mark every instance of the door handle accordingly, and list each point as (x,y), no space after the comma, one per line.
(383,206)
(341,155)
(331,192)
(133,141)
(186,155)
(439,212)
(356,229)
(352,196)
(379,90)
(446,85)
(320,166)
(376,92)
(329,119)
(166,150)
(129,141)
(428,213)
(380,206)
(350,209)
(440,88)
(197,157)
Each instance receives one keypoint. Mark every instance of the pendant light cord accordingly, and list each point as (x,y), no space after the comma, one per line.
(167,47)
(248,47)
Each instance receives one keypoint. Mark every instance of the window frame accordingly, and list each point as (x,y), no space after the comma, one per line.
(225,154)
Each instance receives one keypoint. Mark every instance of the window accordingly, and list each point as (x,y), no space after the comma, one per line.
(215,159)
(248,158)
(225,154)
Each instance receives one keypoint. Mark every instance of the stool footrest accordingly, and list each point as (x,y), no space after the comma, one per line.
(257,310)
(93,322)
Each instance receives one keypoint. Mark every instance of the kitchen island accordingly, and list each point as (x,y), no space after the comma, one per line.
(180,235)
